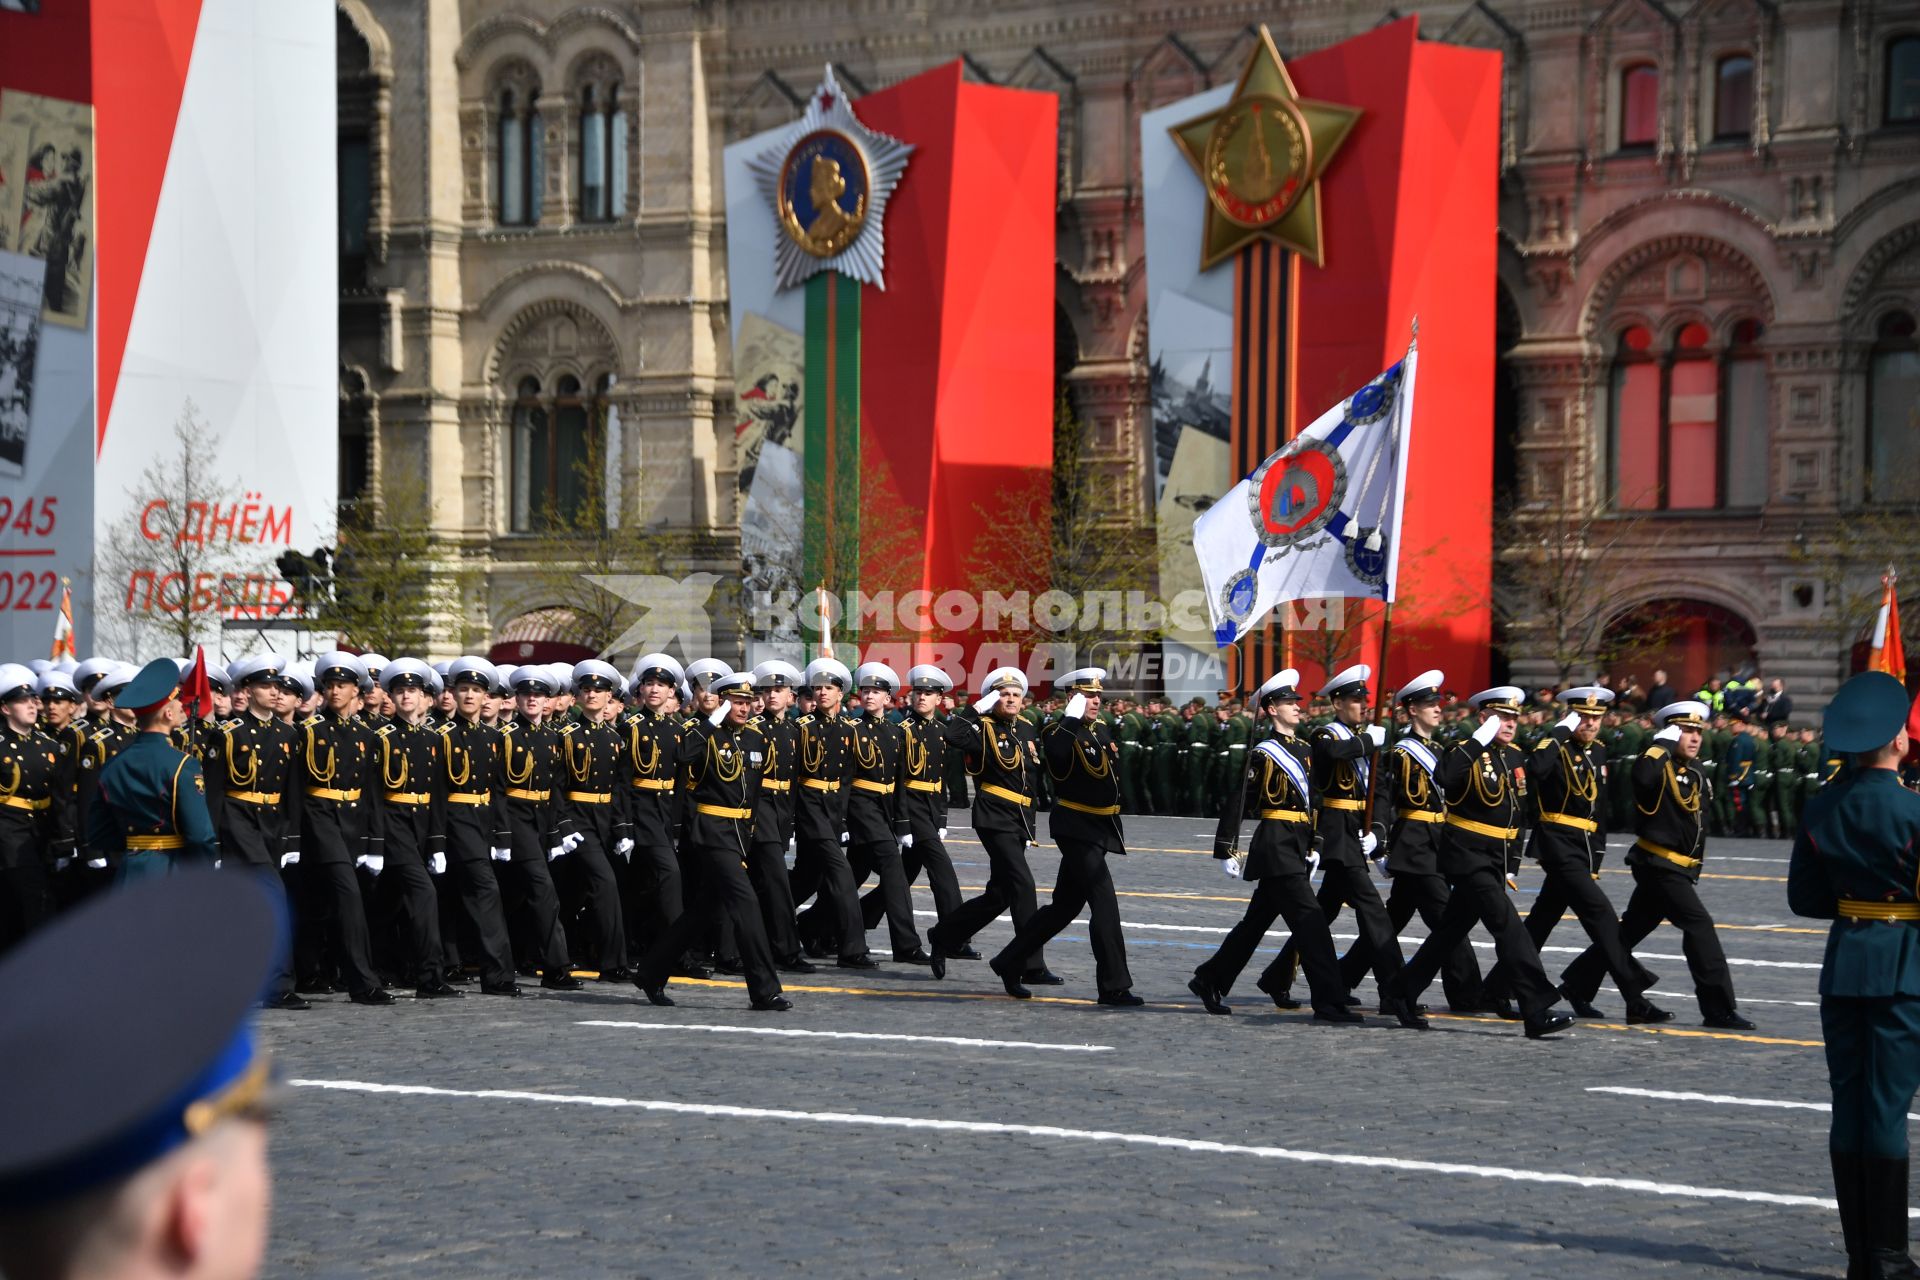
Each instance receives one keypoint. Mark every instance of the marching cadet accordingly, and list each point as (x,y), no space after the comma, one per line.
(1670,796)
(70,879)
(335,762)
(1483,826)
(596,774)
(1342,774)
(1853,864)
(537,827)
(655,894)
(412,821)
(252,796)
(1569,843)
(876,819)
(1085,826)
(36,807)
(474,822)
(1413,844)
(1000,753)
(771,741)
(824,756)
(721,779)
(1276,791)
(923,764)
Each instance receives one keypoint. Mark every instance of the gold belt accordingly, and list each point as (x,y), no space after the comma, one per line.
(1355,805)
(408,797)
(1097,810)
(776,784)
(146,844)
(654,784)
(1860,909)
(333,793)
(1422,815)
(1283,815)
(21,802)
(987,788)
(1483,828)
(722,811)
(820,784)
(590,797)
(470,797)
(255,797)
(868,784)
(520,793)
(1568,820)
(1677,859)
(924,786)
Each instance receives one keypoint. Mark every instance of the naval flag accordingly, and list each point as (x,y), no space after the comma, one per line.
(1319,518)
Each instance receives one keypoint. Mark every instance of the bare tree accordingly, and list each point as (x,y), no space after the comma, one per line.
(1847,556)
(393,581)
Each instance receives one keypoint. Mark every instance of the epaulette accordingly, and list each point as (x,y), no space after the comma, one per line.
(310,721)
(1655,752)
(445,727)
(383,730)
(805,719)
(508,727)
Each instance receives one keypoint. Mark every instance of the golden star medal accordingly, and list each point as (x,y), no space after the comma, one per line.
(1260,158)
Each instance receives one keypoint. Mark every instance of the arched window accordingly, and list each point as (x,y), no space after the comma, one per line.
(1634,401)
(1692,479)
(555,479)
(1744,417)
(521,159)
(603,153)
(1733,99)
(1893,412)
(1688,426)
(1903,81)
(1639,106)
(528,442)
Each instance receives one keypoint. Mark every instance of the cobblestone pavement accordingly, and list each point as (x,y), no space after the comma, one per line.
(589,1134)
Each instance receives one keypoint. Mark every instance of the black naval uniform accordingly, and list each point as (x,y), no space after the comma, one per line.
(595,780)
(72,880)
(1666,859)
(412,798)
(1413,864)
(771,743)
(1000,751)
(875,822)
(474,823)
(1085,825)
(530,765)
(924,806)
(655,894)
(1276,863)
(103,739)
(36,827)
(335,766)
(824,768)
(1340,779)
(254,799)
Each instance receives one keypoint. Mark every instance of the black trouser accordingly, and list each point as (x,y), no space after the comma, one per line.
(1425,895)
(1660,895)
(1480,896)
(529,897)
(409,911)
(589,890)
(896,901)
(654,893)
(1344,884)
(78,882)
(767,873)
(24,901)
(822,868)
(475,875)
(1288,897)
(929,854)
(722,884)
(281,981)
(1010,888)
(334,888)
(1569,882)
(1084,882)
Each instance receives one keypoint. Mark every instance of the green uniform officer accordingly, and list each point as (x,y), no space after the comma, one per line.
(1632,741)
(1198,762)
(1853,864)
(151,811)
(1169,747)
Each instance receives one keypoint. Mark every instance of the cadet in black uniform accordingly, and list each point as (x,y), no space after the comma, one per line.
(536,826)
(923,753)
(1669,798)
(771,741)
(655,895)
(1483,827)
(335,767)
(1275,790)
(594,790)
(36,807)
(412,800)
(876,817)
(824,760)
(474,822)
(1081,760)
(70,880)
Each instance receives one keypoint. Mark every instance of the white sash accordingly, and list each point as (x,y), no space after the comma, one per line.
(1362,770)
(1289,765)
(1422,755)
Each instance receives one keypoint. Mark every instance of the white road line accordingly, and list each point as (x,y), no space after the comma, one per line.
(1201,1146)
(1744,998)
(1722,1099)
(964,1042)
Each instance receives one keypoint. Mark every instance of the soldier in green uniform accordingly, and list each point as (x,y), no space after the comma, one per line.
(1713,766)
(152,807)
(1783,780)
(1625,749)
(1169,741)
(1813,765)
(1127,726)
(1743,760)
(1235,735)
(1760,795)
(1198,761)
(1853,864)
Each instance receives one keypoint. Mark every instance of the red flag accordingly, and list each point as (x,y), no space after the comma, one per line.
(1885,651)
(196,692)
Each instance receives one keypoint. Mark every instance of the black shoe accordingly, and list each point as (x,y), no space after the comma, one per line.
(1885,1218)
(1643,1011)
(457,976)
(1546,1023)
(620,974)
(1340,1013)
(796,965)
(963,953)
(772,1004)
(730,966)
(439,991)
(562,981)
(1585,1008)
(1403,1013)
(938,963)
(529,971)
(314,987)
(373,997)
(694,969)
(916,956)
(1124,999)
(1212,997)
(658,996)
(1282,997)
(1011,981)
(1044,978)
(857,962)
(500,989)
(1728,1021)
(1504,1009)
(818,950)
(287,1001)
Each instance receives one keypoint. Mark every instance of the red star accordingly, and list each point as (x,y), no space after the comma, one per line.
(826,102)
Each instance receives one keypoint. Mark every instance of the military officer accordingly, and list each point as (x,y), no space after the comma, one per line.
(1669,796)
(410,802)
(1853,863)
(1085,826)
(594,786)
(1274,790)
(1621,753)
(474,822)
(923,764)
(537,827)
(876,818)
(655,894)
(1743,759)
(1783,792)
(1483,826)
(36,807)
(771,740)
(1169,747)
(1128,729)
(824,758)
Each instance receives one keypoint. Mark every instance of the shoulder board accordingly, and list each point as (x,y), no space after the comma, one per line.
(568,727)
(383,730)
(1655,752)
(310,721)
(508,727)
(806,719)
(445,727)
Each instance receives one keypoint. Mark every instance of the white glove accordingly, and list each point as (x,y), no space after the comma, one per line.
(624,846)
(1376,734)
(906,841)
(793,845)
(573,841)
(1235,867)
(61,864)
(1489,728)
(502,855)
(1076,706)
(100,864)
(437,863)
(1669,734)
(1368,843)
(719,714)
(373,862)
(943,830)
(1313,862)
(1569,722)
(290,857)
(844,837)
(558,851)
(216,864)
(987,703)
